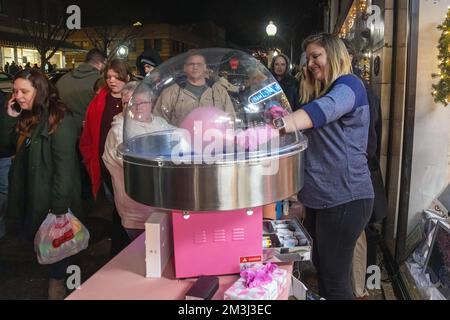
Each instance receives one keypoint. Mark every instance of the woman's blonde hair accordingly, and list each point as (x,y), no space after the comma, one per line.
(338,61)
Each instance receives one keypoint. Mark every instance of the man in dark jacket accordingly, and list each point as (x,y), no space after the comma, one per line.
(147,61)
(13,68)
(76,88)
(280,69)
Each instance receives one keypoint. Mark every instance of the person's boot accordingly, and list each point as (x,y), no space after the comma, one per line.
(56,289)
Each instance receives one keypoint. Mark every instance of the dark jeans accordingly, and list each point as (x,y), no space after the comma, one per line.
(334,232)
(119,237)
(5,164)
(86,187)
(58,270)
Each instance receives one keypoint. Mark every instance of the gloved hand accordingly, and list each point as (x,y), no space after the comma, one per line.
(252,138)
(275,112)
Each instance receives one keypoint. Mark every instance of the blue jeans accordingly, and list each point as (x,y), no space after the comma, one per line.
(5,164)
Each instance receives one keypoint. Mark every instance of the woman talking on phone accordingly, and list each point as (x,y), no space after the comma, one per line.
(44,175)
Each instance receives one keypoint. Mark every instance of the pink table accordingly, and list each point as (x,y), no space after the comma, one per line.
(123,278)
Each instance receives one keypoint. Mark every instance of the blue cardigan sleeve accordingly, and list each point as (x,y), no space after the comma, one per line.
(345,95)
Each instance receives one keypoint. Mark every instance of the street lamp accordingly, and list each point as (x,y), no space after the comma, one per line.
(122,52)
(271,29)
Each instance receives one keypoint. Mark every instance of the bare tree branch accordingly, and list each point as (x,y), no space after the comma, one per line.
(108,39)
(45,37)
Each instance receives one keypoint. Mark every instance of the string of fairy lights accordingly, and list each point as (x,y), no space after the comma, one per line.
(441,90)
(358,8)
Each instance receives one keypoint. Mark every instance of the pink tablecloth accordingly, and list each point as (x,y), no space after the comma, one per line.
(123,278)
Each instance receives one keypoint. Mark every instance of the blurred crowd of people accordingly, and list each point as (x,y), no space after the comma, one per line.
(14,68)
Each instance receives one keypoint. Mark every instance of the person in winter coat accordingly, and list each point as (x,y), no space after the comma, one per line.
(100,113)
(6,68)
(44,175)
(193,91)
(76,87)
(147,61)
(76,91)
(13,68)
(133,214)
(280,70)
(99,116)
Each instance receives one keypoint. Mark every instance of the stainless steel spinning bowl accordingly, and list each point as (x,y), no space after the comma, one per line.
(222,186)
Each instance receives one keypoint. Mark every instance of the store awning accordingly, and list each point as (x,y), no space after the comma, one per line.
(11,39)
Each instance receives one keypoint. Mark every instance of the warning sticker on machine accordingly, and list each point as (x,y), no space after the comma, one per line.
(245,262)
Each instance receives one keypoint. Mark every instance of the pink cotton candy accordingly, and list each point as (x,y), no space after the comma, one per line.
(252,138)
(276,112)
(258,275)
(204,122)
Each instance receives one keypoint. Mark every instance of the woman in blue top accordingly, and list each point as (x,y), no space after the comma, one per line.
(338,191)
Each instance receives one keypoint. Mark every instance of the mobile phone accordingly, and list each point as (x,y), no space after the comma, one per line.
(16,107)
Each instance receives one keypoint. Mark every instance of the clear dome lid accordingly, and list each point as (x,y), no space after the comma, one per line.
(207,105)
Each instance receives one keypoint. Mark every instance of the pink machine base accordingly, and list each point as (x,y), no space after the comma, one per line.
(213,243)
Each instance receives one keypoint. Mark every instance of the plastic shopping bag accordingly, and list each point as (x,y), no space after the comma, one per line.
(59,237)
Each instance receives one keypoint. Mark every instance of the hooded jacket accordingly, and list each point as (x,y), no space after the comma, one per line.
(288,83)
(150,55)
(76,89)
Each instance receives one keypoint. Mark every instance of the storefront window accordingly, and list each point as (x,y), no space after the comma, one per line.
(175,47)
(157,44)
(57,60)
(8,55)
(31,56)
(147,44)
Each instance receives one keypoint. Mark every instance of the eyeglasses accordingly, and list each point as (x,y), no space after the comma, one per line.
(193,64)
(137,104)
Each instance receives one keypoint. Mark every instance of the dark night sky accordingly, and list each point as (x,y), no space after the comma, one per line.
(244,20)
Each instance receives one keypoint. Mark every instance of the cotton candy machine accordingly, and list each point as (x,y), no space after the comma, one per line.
(198,141)
(196,145)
